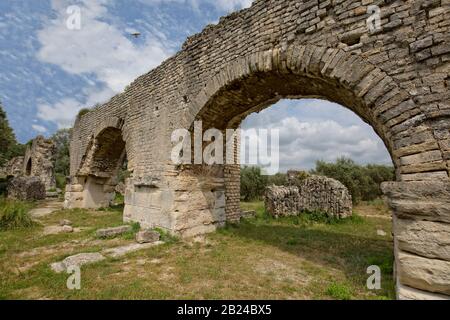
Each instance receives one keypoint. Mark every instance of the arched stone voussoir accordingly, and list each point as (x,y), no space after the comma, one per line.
(108,122)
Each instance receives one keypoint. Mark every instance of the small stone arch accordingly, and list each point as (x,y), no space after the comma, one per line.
(97,177)
(28,168)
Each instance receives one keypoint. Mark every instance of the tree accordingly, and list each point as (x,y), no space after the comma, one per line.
(62,160)
(9,147)
(363,182)
(253,183)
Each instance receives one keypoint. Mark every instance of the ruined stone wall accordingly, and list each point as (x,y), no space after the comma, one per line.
(39,161)
(13,167)
(315,193)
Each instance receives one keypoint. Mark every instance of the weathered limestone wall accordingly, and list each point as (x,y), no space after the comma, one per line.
(13,167)
(314,193)
(39,161)
(422,237)
(396,79)
(26,188)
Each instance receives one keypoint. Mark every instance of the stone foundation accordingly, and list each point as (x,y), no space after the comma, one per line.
(421,238)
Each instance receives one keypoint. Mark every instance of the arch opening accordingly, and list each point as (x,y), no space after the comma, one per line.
(233,102)
(28,168)
(103,168)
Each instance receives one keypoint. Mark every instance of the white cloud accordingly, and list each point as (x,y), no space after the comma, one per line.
(99,48)
(304,141)
(222,5)
(38,128)
(64,112)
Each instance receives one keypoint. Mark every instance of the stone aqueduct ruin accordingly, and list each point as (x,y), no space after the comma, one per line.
(396,79)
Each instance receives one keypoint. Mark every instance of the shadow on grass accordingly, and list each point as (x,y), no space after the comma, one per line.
(327,245)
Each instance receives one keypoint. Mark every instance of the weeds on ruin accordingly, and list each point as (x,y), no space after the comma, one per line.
(130,235)
(15,214)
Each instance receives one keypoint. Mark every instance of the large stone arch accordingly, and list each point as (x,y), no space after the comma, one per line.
(252,83)
(395,78)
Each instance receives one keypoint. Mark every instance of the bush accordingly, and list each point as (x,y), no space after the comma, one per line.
(339,291)
(60,181)
(82,112)
(253,183)
(14,214)
(363,182)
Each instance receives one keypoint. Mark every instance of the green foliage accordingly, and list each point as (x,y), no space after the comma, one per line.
(62,161)
(131,235)
(339,291)
(253,183)
(278,179)
(60,181)
(3,185)
(9,148)
(14,215)
(82,112)
(166,236)
(123,174)
(363,182)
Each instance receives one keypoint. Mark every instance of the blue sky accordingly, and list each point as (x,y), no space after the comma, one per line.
(49,72)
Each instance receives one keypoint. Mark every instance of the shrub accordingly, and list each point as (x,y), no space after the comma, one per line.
(82,112)
(60,181)
(253,183)
(14,214)
(339,291)
(363,182)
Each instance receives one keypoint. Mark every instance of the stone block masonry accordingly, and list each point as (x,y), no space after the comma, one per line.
(314,193)
(396,78)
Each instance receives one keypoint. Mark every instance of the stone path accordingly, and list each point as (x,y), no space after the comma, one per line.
(88,258)
(45,208)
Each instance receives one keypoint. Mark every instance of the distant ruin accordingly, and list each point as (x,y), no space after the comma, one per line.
(38,161)
(308,194)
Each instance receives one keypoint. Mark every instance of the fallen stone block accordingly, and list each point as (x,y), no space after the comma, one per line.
(65,222)
(113,232)
(147,236)
(26,189)
(248,214)
(77,260)
(123,250)
(49,230)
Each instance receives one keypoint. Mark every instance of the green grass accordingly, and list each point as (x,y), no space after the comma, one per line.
(14,214)
(339,291)
(260,258)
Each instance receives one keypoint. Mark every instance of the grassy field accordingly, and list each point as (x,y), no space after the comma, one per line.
(261,258)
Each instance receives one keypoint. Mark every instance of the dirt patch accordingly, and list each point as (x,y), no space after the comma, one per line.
(281,271)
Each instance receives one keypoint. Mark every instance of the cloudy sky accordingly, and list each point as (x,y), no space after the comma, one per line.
(48,72)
